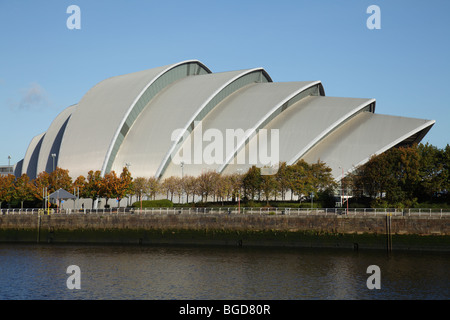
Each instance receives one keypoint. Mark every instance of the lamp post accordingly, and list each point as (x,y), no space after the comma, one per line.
(347,200)
(140,196)
(182,176)
(53,156)
(342,187)
(239,194)
(127,164)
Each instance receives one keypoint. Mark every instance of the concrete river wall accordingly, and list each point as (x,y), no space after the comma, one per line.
(333,231)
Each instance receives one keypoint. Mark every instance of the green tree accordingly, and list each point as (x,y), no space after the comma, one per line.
(446,171)
(252,182)
(282,177)
(431,170)
(301,179)
(322,178)
(393,175)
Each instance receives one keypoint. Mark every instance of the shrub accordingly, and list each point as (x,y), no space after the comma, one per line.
(164,203)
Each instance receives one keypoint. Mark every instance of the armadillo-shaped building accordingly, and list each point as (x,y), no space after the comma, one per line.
(144,120)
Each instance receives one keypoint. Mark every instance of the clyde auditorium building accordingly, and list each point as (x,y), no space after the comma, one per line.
(130,120)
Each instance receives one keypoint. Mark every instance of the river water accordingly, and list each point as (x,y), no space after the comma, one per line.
(34,272)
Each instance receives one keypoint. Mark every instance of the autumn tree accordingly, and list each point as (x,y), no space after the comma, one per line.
(282,178)
(79,184)
(223,187)
(269,186)
(215,181)
(125,184)
(140,187)
(178,188)
(188,184)
(169,187)
(59,179)
(41,183)
(153,187)
(6,188)
(115,187)
(23,189)
(93,186)
(205,185)
(109,186)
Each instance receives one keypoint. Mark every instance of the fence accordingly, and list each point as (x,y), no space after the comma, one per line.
(218,211)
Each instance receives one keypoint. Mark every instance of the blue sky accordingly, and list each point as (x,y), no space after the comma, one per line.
(45,67)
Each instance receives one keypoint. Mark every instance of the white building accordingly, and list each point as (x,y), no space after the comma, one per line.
(131,120)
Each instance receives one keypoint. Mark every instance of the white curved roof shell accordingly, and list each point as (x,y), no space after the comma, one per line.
(241,111)
(29,164)
(151,119)
(363,136)
(178,107)
(102,113)
(51,142)
(306,122)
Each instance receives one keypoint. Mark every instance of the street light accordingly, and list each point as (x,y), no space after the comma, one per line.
(9,165)
(239,193)
(53,156)
(127,164)
(342,187)
(347,200)
(182,176)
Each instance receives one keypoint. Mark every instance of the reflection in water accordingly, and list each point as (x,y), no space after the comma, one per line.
(166,272)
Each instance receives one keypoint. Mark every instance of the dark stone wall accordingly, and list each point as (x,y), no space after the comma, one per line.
(405,232)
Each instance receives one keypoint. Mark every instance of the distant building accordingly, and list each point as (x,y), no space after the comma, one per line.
(5,170)
(142,120)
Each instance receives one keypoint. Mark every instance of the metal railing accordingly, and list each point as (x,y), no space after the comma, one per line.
(224,211)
